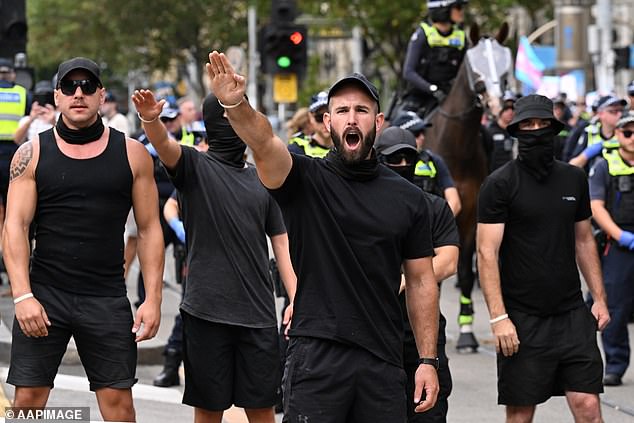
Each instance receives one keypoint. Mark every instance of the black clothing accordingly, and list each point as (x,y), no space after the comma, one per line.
(557,353)
(101,327)
(81,207)
(499,145)
(348,257)
(82,135)
(226,212)
(537,257)
(224,144)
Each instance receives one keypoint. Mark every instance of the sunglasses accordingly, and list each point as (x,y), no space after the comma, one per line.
(319,117)
(69,86)
(627,133)
(398,157)
(457,6)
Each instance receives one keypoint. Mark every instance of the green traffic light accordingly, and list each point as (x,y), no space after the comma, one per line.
(283,62)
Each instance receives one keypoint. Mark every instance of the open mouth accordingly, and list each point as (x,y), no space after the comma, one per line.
(352,139)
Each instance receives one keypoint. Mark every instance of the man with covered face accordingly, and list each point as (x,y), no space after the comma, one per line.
(353,225)
(533,221)
(230,340)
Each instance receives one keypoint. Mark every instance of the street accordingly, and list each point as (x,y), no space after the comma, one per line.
(474,396)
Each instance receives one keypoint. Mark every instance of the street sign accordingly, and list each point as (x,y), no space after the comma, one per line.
(285,88)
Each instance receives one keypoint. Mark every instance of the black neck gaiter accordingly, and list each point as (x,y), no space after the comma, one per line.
(224,144)
(82,135)
(536,151)
(364,170)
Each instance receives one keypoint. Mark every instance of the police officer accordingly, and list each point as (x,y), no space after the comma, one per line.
(319,143)
(434,55)
(431,173)
(630,94)
(13,106)
(561,110)
(497,141)
(612,200)
(600,135)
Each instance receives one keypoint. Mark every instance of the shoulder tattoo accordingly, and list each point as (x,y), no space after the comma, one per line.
(21,160)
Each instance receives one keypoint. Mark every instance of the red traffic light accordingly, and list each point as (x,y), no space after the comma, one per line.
(296,37)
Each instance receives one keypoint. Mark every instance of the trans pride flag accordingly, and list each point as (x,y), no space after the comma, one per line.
(528,68)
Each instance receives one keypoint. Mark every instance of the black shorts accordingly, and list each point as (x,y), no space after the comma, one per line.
(557,354)
(102,329)
(228,364)
(329,382)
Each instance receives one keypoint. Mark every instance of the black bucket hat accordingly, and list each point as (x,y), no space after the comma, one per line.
(534,106)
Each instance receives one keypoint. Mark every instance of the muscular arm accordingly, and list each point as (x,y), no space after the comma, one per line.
(453,199)
(422,294)
(21,204)
(489,240)
(272,158)
(284,265)
(445,262)
(170,209)
(601,215)
(588,261)
(150,246)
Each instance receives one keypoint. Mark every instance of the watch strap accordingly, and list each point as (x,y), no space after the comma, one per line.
(432,361)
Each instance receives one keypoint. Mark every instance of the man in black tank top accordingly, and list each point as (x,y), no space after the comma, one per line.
(76,184)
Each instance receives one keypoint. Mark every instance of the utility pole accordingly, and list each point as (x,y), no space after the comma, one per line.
(572,19)
(605,68)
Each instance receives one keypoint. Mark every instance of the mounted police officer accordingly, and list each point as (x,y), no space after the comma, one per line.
(612,200)
(498,143)
(434,55)
(599,137)
(319,143)
(431,174)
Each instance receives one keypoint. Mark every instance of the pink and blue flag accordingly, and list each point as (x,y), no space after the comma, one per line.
(528,68)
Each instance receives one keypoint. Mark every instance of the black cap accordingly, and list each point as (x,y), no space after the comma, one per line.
(610,100)
(43,87)
(410,121)
(359,80)
(393,139)
(78,63)
(534,106)
(6,65)
(110,98)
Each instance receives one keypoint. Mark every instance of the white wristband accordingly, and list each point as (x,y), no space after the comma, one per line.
(145,121)
(499,318)
(232,106)
(23,297)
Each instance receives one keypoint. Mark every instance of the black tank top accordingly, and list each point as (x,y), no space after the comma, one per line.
(82,205)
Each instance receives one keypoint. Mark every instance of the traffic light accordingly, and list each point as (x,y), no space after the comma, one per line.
(284,49)
(12,28)
(623,58)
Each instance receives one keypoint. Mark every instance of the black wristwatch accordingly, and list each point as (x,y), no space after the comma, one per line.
(435,362)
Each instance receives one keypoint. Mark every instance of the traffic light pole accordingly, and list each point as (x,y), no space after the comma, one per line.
(252,82)
(605,80)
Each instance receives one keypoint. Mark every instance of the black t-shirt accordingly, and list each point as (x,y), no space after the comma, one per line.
(348,240)
(444,232)
(226,213)
(537,257)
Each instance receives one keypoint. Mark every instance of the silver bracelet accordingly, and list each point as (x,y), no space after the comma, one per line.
(145,121)
(23,297)
(233,106)
(499,318)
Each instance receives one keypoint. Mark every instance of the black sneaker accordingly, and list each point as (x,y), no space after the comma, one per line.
(611,379)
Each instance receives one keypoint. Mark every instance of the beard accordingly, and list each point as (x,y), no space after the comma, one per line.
(358,155)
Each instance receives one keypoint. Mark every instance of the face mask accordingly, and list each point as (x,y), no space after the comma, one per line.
(224,143)
(537,151)
(406,171)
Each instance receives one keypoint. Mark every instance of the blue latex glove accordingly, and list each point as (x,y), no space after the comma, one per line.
(177,226)
(593,150)
(152,150)
(627,240)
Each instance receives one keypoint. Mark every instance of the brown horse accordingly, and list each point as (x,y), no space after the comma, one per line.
(455,135)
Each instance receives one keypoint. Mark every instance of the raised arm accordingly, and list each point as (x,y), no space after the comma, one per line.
(422,294)
(21,204)
(588,261)
(272,159)
(150,248)
(168,149)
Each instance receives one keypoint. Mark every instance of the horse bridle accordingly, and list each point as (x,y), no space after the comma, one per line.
(476,85)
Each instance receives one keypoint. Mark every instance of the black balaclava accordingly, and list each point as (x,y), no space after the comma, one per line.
(82,135)
(536,151)
(224,144)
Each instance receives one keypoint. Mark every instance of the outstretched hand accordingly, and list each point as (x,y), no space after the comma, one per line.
(146,104)
(226,84)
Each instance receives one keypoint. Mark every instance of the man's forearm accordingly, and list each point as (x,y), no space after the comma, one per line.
(423,312)
(151,253)
(284,265)
(588,261)
(16,253)
(490,283)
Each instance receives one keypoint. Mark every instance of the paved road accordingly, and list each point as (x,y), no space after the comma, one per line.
(473,398)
